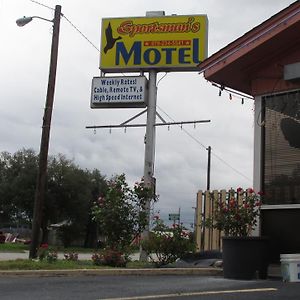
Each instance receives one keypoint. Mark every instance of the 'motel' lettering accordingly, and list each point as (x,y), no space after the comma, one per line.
(152,56)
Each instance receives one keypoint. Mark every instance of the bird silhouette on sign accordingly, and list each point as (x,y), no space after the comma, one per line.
(110,40)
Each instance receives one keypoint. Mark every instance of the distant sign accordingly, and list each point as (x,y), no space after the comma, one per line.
(174,217)
(169,43)
(119,92)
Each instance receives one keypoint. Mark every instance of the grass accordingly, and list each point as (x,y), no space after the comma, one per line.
(13,247)
(21,248)
(72,249)
(60,264)
(27,264)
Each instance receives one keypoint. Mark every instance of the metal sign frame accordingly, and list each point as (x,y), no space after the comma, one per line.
(119,92)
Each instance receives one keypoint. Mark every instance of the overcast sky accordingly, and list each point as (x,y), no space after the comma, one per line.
(181,155)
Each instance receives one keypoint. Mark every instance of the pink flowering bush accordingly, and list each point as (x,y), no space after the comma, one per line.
(236,218)
(166,244)
(52,256)
(43,251)
(120,214)
(71,256)
(109,257)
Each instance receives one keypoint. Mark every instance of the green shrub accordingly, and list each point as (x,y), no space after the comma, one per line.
(72,256)
(51,256)
(43,251)
(120,213)
(109,257)
(166,244)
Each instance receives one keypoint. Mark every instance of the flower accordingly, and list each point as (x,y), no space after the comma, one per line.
(51,257)
(71,256)
(236,217)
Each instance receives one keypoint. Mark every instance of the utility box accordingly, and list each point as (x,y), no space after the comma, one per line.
(292,72)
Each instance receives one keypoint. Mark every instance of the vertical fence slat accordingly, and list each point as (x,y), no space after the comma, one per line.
(198,220)
(216,232)
(223,199)
(240,196)
(207,214)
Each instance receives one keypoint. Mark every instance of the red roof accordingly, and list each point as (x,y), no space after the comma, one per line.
(253,62)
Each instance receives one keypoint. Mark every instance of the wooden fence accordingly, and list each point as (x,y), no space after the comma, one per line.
(209,238)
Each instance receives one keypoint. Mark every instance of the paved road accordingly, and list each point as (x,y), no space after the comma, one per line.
(144,287)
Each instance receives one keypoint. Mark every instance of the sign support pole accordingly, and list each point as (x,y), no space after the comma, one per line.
(149,150)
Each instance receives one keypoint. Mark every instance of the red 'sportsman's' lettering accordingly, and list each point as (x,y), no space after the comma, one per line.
(129,28)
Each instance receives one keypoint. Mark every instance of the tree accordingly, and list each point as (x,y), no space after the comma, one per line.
(98,187)
(17,185)
(69,196)
(70,190)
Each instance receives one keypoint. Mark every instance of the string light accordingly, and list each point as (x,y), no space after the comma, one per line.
(232,93)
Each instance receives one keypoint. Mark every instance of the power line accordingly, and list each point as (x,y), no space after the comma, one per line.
(84,36)
(75,27)
(202,145)
(190,135)
(41,4)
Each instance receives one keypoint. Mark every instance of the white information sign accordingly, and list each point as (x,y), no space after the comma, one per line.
(119,92)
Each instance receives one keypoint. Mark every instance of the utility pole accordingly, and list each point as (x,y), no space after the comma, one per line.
(149,151)
(208,168)
(44,146)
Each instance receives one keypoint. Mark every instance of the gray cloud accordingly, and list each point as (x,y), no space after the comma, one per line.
(181,161)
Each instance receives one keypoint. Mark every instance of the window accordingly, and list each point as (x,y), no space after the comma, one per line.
(281,148)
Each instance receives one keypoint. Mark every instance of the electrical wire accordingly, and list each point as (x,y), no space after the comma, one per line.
(75,27)
(41,4)
(162,78)
(84,36)
(202,145)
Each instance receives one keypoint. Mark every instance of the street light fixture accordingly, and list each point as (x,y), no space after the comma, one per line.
(44,146)
(25,20)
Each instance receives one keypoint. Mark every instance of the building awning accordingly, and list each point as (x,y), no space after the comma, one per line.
(250,62)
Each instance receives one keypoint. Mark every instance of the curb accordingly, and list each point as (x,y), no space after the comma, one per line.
(115,272)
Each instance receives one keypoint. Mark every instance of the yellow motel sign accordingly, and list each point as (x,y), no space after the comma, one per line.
(169,43)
